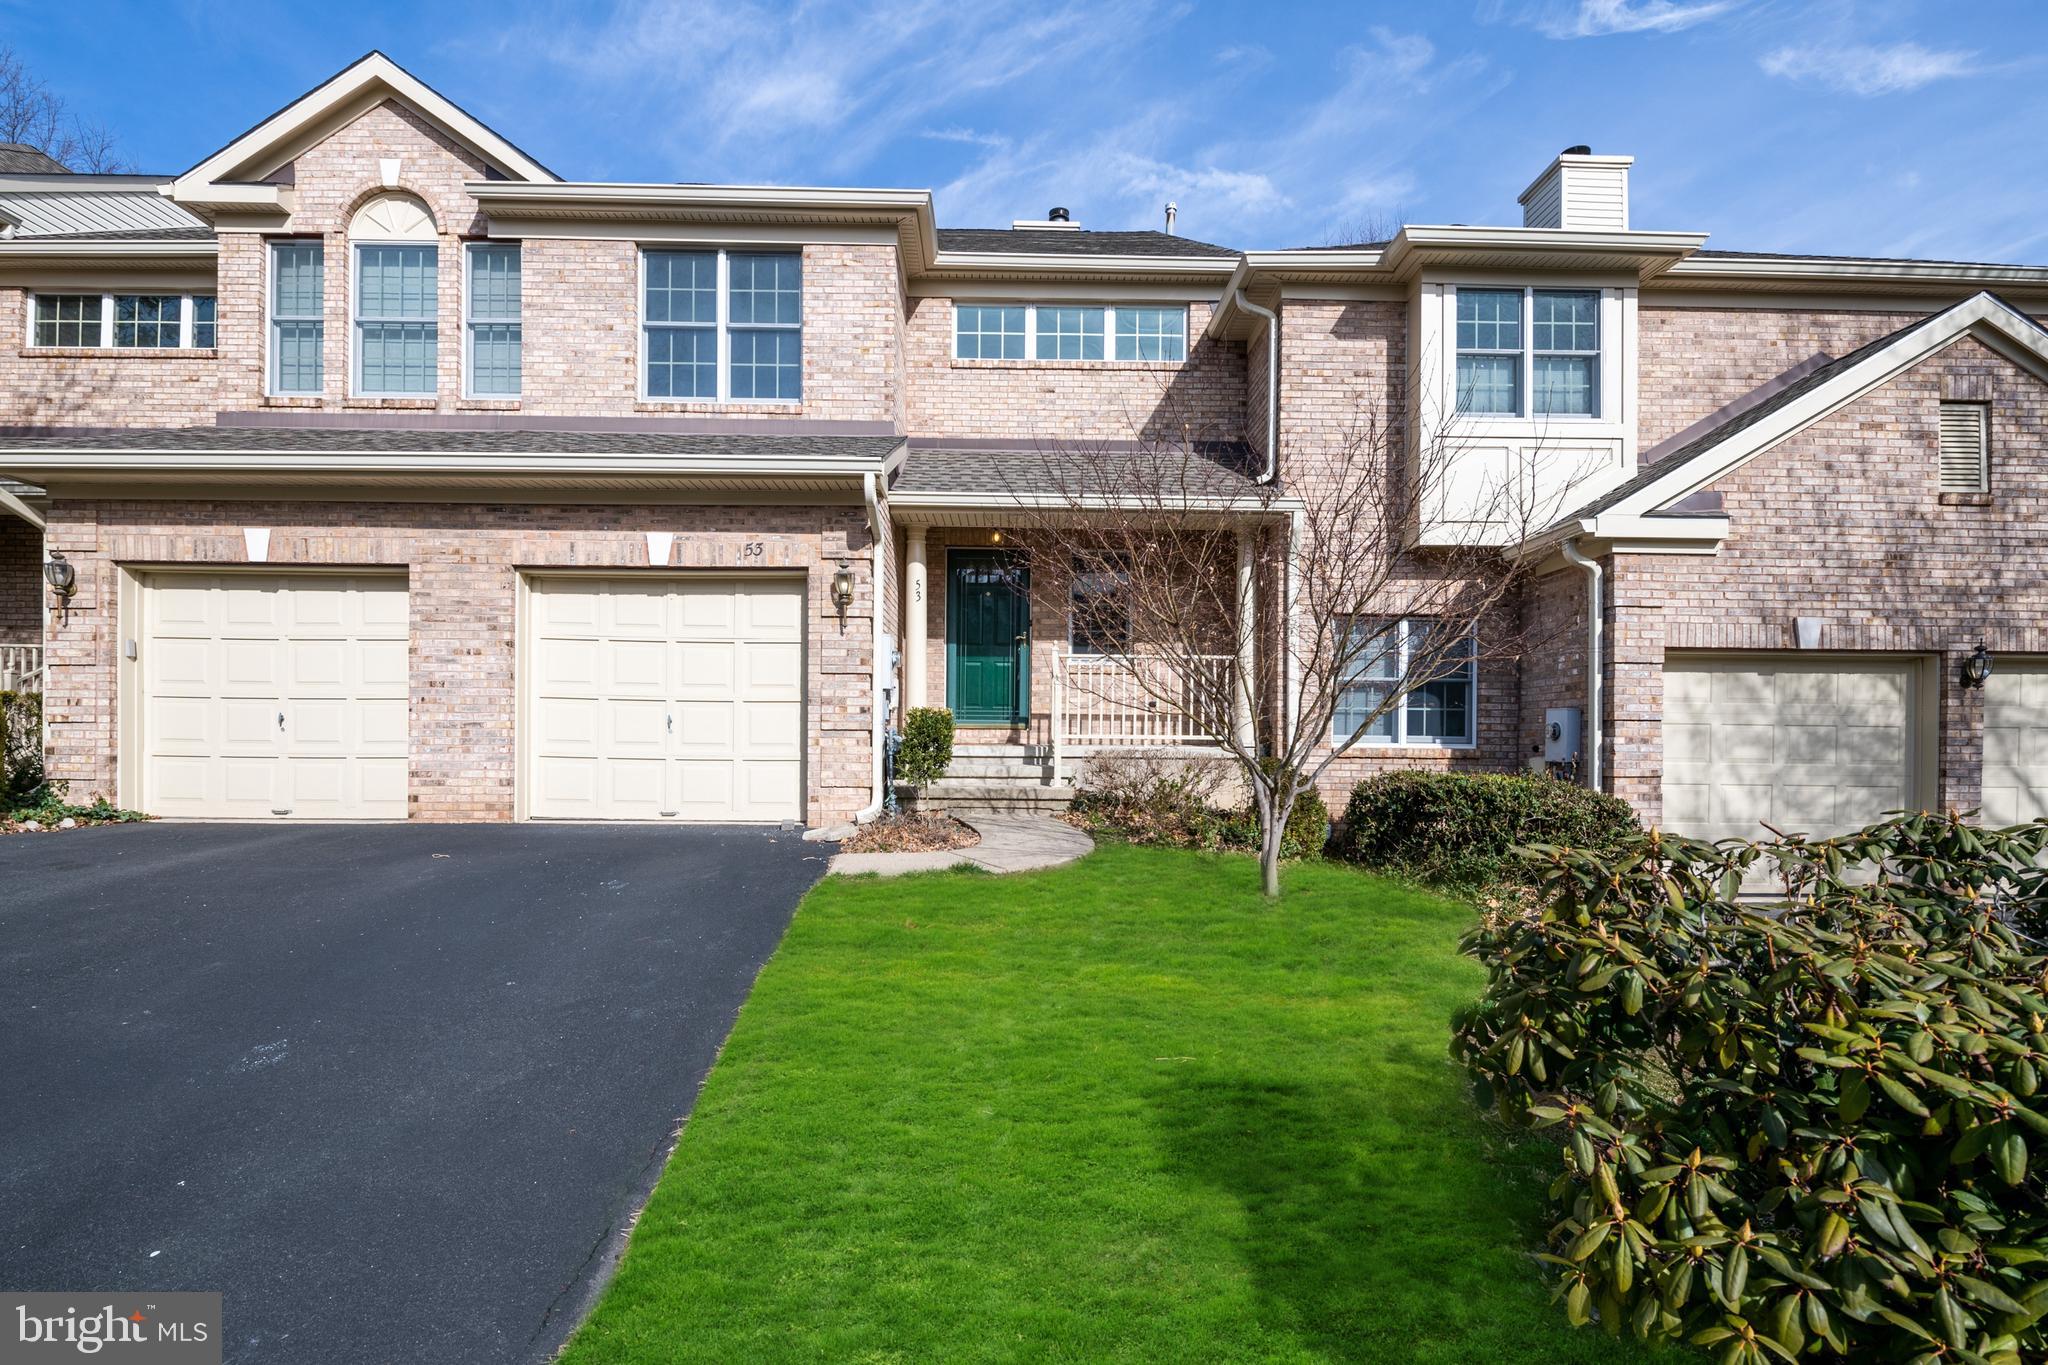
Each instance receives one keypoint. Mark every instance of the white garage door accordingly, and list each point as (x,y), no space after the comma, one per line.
(2016,742)
(268,695)
(665,699)
(1812,746)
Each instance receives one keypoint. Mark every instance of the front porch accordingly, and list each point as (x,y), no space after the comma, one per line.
(21,588)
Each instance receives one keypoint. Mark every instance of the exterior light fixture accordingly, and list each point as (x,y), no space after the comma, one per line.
(1977,667)
(995,537)
(842,587)
(61,576)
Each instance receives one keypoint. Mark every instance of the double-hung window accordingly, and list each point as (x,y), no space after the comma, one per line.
(1528,352)
(493,327)
(1099,609)
(724,325)
(397,301)
(298,325)
(152,322)
(1439,705)
(1077,332)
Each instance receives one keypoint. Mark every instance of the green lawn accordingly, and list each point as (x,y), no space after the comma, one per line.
(1120,1110)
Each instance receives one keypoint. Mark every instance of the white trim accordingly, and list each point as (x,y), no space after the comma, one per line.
(201,183)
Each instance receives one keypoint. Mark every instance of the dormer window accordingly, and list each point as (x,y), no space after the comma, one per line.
(1528,352)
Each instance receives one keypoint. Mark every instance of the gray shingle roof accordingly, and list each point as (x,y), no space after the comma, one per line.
(18,158)
(399,440)
(1217,472)
(1074,242)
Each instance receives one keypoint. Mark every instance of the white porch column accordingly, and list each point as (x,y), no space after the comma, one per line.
(1243,720)
(914,612)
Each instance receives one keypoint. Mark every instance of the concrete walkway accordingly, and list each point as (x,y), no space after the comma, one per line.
(1009,843)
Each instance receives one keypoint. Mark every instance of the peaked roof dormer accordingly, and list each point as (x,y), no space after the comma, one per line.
(251,172)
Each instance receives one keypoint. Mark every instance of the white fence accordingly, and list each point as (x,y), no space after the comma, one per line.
(1102,701)
(21,668)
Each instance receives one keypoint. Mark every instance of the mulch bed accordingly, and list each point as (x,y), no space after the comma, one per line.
(930,833)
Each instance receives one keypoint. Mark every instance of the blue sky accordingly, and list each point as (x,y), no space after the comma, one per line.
(1883,128)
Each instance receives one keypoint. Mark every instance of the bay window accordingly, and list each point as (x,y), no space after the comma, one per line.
(1432,685)
(1528,352)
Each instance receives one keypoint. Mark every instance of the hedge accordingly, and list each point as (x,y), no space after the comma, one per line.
(1460,829)
(927,747)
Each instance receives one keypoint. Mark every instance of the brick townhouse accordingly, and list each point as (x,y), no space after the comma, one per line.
(396,477)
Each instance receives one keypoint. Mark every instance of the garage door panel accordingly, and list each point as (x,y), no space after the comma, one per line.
(567,784)
(635,668)
(1815,746)
(2015,784)
(227,655)
(676,668)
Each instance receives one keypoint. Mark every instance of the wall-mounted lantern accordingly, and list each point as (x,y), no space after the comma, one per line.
(62,578)
(1977,667)
(842,587)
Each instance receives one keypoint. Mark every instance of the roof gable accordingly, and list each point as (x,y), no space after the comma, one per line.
(228,177)
(1659,487)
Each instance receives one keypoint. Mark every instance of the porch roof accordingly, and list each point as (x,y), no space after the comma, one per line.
(940,478)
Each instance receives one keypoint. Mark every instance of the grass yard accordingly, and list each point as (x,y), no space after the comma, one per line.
(1122,1110)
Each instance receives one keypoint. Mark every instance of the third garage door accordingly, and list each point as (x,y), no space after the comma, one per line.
(1813,746)
(2016,742)
(665,699)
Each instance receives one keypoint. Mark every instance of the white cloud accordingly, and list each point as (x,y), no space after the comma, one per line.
(1598,18)
(1859,69)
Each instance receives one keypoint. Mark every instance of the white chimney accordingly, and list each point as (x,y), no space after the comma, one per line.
(1172,212)
(1581,192)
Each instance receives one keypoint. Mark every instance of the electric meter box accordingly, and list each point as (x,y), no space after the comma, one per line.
(1561,734)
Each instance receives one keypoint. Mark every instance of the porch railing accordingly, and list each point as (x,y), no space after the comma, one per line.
(1101,701)
(21,668)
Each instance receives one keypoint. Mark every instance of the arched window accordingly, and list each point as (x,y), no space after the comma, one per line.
(395,299)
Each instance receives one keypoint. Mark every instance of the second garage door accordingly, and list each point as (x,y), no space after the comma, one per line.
(2016,742)
(1811,746)
(665,699)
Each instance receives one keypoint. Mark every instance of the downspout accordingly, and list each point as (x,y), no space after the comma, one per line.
(1272,381)
(869,491)
(1595,632)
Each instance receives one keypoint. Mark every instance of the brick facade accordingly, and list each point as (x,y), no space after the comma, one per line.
(21,582)
(463,562)
(1053,402)
(1845,522)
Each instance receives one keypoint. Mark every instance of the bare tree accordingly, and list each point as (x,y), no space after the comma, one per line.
(1380,567)
(1364,229)
(34,115)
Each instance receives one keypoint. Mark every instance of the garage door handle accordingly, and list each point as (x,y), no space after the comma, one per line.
(671,724)
(280,720)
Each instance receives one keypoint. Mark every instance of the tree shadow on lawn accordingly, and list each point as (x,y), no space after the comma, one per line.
(1388,1223)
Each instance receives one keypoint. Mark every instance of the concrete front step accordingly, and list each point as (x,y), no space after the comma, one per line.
(983,769)
(961,794)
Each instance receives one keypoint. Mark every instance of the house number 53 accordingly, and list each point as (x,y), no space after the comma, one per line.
(753,549)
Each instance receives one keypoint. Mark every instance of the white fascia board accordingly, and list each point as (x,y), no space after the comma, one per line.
(40,464)
(913,501)
(990,262)
(1822,268)
(200,183)
(46,248)
(2017,336)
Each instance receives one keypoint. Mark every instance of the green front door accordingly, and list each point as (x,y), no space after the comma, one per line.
(988,638)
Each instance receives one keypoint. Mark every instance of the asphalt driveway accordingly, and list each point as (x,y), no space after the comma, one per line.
(394,1090)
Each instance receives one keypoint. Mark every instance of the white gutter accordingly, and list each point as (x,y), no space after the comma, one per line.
(1272,380)
(22,510)
(1594,640)
(869,494)
(286,461)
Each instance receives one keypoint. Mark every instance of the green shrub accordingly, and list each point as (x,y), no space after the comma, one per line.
(927,746)
(21,744)
(48,803)
(1810,1127)
(1460,829)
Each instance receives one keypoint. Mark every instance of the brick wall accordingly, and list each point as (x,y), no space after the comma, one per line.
(89,386)
(463,561)
(1050,401)
(1695,360)
(1844,522)
(21,582)
(580,298)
